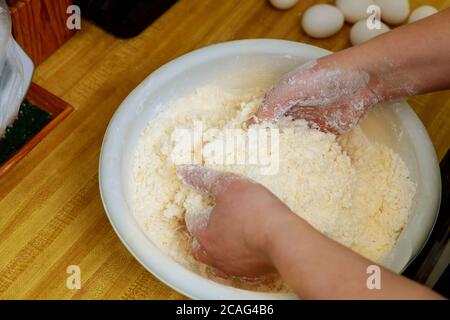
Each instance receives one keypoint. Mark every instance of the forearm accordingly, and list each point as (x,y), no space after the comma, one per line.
(319,268)
(409,60)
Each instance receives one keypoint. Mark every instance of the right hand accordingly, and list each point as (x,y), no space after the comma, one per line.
(329,96)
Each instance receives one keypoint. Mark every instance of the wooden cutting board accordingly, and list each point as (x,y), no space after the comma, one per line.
(51,215)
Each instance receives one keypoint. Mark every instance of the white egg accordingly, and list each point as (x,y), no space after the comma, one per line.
(393,11)
(322,20)
(361,33)
(422,12)
(354,10)
(283,4)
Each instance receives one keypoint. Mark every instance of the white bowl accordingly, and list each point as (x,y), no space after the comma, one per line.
(246,64)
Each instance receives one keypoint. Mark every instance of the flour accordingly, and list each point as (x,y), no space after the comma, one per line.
(356,192)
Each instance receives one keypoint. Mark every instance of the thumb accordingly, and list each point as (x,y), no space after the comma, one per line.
(279,100)
(269,111)
(206,180)
(293,88)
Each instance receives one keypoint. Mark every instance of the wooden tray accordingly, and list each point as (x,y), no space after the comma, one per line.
(48,102)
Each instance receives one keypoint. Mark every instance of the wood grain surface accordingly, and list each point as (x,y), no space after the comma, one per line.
(39,26)
(51,215)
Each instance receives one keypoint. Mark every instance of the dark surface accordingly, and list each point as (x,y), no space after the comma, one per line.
(29,122)
(424,263)
(124,19)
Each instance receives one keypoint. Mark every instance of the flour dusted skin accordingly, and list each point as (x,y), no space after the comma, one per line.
(356,192)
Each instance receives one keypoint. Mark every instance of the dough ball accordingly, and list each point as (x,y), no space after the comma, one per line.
(393,11)
(361,33)
(283,4)
(421,12)
(322,21)
(354,10)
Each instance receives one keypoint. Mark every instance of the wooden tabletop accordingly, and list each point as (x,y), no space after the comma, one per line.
(51,215)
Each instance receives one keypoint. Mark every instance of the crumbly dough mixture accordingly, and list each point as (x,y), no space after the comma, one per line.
(357,192)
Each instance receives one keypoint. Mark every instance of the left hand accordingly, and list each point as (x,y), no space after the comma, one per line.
(234,238)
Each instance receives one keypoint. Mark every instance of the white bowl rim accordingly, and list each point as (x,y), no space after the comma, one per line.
(161,266)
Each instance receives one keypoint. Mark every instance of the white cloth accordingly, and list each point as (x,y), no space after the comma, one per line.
(15,72)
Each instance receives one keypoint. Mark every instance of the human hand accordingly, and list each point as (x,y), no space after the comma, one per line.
(233,239)
(329,95)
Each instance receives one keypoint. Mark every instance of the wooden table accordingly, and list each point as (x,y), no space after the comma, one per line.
(51,215)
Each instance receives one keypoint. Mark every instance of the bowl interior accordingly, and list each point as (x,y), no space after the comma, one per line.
(244,65)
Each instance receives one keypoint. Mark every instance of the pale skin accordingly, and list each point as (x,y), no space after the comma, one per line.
(409,60)
(251,233)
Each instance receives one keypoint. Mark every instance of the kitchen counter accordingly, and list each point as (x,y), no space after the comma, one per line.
(51,213)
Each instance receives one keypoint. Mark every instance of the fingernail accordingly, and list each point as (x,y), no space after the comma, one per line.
(251,121)
(219,273)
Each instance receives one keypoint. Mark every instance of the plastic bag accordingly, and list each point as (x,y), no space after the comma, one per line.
(16,70)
